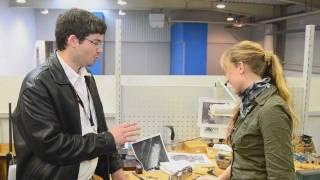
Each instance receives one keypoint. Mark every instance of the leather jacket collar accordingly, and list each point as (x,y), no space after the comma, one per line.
(57,71)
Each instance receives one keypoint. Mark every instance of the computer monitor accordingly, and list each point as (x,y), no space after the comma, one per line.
(150,151)
(214,117)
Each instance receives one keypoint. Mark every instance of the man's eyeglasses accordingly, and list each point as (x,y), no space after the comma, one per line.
(97,43)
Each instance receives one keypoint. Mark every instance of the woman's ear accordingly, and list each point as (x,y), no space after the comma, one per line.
(241,67)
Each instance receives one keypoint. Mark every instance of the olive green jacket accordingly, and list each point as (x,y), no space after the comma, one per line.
(262,143)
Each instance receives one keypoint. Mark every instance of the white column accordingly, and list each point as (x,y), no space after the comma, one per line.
(307,72)
(118,70)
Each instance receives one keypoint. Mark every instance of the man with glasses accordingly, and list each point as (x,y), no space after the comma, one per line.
(59,125)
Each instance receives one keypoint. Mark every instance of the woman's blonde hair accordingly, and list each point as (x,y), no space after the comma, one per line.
(263,63)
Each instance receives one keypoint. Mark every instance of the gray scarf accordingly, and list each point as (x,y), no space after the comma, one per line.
(249,95)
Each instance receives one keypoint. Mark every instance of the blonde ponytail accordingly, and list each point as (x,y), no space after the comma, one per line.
(279,80)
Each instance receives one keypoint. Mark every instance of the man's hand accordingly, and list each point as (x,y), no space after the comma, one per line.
(125,133)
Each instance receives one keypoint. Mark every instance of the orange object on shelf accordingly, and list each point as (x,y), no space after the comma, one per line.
(195,146)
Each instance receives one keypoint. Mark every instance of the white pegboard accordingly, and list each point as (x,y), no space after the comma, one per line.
(296,87)
(154,102)
(180,85)
(153,107)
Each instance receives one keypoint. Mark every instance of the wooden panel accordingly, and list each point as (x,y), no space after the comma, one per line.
(3,168)
(4,149)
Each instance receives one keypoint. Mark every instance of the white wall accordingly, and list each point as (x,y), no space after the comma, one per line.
(17,35)
(257,34)
(294,50)
(8,94)
(293,60)
(45,24)
(145,50)
(221,38)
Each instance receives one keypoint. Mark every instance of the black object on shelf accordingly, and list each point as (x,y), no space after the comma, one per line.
(10,157)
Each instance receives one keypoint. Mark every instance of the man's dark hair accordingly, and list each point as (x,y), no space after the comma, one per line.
(78,22)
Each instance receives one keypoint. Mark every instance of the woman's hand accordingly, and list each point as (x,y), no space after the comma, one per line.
(226,174)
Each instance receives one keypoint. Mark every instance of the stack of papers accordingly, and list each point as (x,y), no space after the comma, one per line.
(173,167)
(196,160)
(222,147)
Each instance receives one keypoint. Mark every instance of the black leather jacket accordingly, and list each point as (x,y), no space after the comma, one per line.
(47,128)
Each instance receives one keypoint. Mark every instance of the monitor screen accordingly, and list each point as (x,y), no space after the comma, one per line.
(150,152)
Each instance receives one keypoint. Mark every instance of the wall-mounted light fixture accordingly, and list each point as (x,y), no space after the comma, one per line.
(21,1)
(45,11)
(121,13)
(122,2)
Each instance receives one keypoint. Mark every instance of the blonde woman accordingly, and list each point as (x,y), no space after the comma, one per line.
(264,123)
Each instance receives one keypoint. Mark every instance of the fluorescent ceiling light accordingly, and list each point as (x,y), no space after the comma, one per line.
(122,13)
(45,11)
(230,18)
(21,1)
(221,5)
(121,2)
